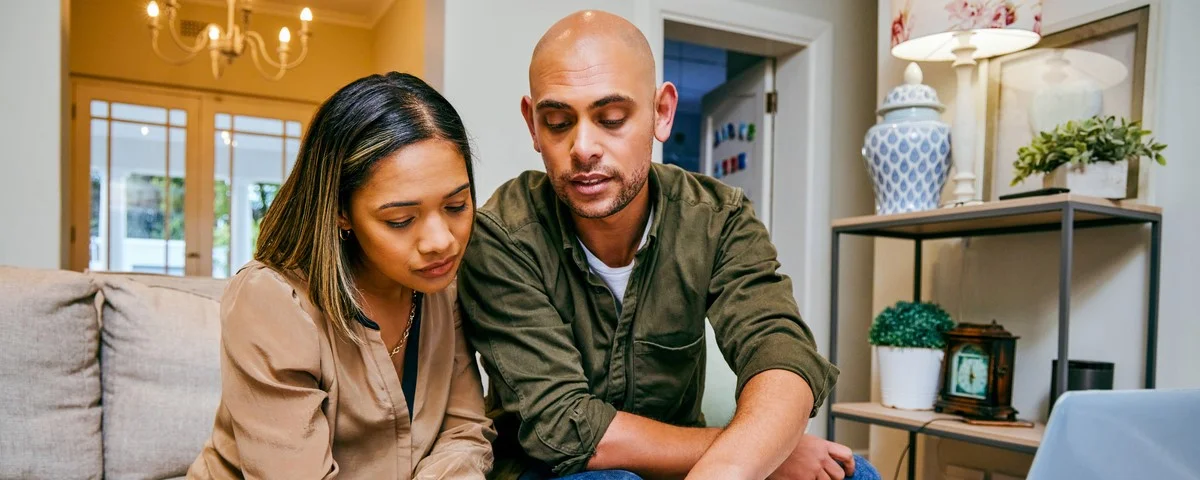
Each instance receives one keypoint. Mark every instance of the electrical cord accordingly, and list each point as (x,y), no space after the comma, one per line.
(920,429)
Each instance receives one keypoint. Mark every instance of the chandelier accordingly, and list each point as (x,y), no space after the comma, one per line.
(226,45)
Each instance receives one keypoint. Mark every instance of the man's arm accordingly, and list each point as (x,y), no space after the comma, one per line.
(649,448)
(658,450)
(764,430)
(782,379)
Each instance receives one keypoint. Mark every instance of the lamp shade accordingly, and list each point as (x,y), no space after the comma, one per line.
(924,30)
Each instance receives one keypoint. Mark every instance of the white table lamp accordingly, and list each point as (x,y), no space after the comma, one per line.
(963,31)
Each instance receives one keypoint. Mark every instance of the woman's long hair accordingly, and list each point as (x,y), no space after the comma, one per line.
(362,123)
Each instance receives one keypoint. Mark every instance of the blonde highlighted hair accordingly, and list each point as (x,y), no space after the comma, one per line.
(362,123)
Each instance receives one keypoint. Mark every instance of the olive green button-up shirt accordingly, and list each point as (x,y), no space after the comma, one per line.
(560,358)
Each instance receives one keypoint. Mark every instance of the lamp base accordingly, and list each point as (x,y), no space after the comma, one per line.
(968,203)
(963,135)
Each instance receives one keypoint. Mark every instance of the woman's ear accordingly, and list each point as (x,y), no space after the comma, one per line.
(343,223)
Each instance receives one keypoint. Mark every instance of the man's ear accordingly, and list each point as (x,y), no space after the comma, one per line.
(527,112)
(665,102)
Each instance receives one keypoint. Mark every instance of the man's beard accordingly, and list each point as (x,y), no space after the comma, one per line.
(629,190)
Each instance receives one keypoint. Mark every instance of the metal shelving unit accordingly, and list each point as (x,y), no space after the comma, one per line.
(1065,213)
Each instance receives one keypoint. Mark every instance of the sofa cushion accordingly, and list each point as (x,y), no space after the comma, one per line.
(161,371)
(50,400)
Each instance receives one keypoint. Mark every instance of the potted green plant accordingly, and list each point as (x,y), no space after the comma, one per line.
(909,343)
(1089,157)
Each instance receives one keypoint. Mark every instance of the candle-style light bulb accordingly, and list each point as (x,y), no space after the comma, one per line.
(152,9)
(306,15)
(285,35)
(214,33)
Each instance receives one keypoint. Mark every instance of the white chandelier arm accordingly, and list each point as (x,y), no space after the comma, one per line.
(283,63)
(303,53)
(217,68)
(256,44)
(198,44)
(186,58)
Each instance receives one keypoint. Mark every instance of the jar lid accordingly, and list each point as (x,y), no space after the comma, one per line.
(912,93)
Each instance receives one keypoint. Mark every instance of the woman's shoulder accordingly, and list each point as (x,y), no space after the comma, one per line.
(262,297)
(265,283)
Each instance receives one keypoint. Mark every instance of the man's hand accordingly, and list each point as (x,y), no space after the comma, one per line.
(816,458)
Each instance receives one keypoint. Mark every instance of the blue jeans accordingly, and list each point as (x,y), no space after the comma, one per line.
(862,471)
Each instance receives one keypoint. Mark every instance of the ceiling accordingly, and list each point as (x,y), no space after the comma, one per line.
(354,13)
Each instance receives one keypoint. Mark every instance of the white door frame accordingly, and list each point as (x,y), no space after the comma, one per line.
(802,166)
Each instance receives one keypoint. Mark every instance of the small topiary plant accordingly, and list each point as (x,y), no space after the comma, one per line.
(911,325)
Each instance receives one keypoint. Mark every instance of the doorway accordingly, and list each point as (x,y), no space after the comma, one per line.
(696,70)
(173,181)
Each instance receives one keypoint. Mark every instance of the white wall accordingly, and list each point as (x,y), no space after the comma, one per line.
(487,48)
(1014,279)
(31,133)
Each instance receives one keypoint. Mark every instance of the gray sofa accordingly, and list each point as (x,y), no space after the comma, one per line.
(106,375)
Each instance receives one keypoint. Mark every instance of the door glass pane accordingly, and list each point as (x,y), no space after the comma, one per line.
(291,148)
(99,109)
(139,113)
(97,245)
(145,196)
(252,159)
(176,224)
(178,118)
(222,148)
(246,123)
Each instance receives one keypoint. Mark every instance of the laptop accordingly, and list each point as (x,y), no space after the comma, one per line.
(1121,435)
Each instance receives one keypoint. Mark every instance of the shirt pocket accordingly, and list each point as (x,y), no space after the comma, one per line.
(667,379)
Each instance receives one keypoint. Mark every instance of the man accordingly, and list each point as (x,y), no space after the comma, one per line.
(586,290)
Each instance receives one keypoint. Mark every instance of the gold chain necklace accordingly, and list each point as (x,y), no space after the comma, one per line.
(412,313)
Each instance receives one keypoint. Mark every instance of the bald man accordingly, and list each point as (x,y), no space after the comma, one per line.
(586,289)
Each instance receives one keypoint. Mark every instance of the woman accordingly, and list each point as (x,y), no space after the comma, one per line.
(342,351)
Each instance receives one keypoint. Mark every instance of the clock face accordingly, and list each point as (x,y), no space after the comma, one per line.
(969,373)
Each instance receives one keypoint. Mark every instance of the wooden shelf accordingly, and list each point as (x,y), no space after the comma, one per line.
(1021,439)
(1023,215)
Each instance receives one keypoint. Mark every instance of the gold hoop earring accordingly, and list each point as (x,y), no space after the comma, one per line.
(344,234)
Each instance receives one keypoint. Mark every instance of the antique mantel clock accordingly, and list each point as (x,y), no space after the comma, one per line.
(978,372)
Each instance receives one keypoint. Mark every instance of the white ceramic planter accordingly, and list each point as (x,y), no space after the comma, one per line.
(908,377)
(1101,179)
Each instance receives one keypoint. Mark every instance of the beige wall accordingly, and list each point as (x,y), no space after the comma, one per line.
(399,38)
(111,39)
(1014,279)
(32,133)
(853,113)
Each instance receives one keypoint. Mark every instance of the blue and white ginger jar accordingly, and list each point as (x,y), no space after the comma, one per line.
(908,153)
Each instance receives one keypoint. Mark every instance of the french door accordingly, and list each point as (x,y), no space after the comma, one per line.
(174,181)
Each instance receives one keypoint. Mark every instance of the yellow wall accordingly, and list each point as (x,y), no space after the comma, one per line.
(111,39)
(399,38)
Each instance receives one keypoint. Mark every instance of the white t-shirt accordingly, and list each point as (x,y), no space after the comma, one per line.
(616,278)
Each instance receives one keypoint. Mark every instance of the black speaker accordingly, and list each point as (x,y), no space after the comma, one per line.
(1082,375)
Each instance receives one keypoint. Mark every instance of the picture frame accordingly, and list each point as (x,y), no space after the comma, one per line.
(1122,38)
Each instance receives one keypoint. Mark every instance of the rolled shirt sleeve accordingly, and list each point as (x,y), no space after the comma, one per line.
(529,351)
(753,311)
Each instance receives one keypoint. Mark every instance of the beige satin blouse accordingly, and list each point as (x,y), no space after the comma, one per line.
(299,401)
